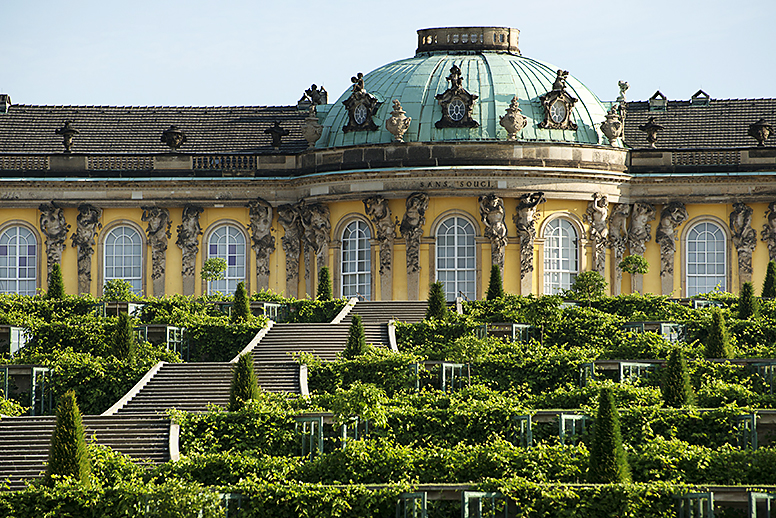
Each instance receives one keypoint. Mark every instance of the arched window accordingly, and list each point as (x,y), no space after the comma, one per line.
(124,257)
(356,260)
(18,261)
(456,257)
(228,243)
(706,258)
(561,256)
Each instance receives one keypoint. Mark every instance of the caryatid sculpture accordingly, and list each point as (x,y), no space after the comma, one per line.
(744,239)
(769,230)
(288,216)
(639,230)
(492,214)
(672,215)
(379,212)
(525,221)
(158,232)
(596,215)
(317,229)
(188,241)
(411,229)
(618,240)
(55,228)
(263,242)
(87,225)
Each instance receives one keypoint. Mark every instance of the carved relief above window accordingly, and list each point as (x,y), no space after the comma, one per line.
(456,103)
(361,107)
(557,105)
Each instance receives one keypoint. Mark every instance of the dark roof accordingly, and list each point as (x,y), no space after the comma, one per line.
(721,123)
(132,129)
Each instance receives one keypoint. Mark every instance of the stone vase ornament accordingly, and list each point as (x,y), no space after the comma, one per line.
(312,128)
(613,126)
(760,131)
(514,121)
(651,128)
(398,123)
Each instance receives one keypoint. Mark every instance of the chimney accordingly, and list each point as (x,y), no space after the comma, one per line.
(5,103)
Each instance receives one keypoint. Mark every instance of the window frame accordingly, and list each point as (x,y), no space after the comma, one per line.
(545,239)
(727,253)
(39,257)
(208,235)
(103,236)
(476,244)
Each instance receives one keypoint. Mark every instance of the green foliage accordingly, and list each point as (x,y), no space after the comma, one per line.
(245,386)
(362,400)
(56,285)
(68,456)
(437,304)
(718,339)
(378,366)
(241,307)
(118,290)
(325,291)
(495,285)
(587,286)
(608,463)
(747,303)
(769,284)
(677,391)
(356,345)
(634,264)
(11,408)
(124,340)
(213,269)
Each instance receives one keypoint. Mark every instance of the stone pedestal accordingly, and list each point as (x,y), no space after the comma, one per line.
(637,283)
(413,285)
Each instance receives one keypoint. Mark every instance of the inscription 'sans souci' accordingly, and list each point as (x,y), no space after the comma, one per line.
(457,184)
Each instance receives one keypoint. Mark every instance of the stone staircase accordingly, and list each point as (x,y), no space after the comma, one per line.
(410,311)
(24,441)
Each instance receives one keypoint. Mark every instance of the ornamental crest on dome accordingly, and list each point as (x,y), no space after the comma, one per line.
(456,103)
(557,105)
(361,107)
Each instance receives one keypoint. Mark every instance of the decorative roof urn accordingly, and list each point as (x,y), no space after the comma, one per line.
(514,121)
(173,137)
(311,128)
(68,132)
(651,128)
(398,123)
(760,131)
(613,126)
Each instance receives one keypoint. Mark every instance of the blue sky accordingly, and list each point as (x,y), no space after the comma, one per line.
(173,52)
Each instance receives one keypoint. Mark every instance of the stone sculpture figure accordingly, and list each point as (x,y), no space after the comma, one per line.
(55,228)
(525,220)
(263,242)
(618,240)
(288,216)
(188,241)
(769,230)
(412,228)
(597,213)
(672,215)
(317,229)
(492,214)
(744,238)
(639,230)
(379,212)
(87,226)
(158,232)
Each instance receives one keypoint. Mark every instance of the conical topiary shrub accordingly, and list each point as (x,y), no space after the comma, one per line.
(356,345)
(68,456)
(718,340)
(245,386)
(241,306)
(56,285)
(769,285)
(325,291)
(747,303)
(676,388)
(608,461)
(495,286)
(124,339)
(437,305)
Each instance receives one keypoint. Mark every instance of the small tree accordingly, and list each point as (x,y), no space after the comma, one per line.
(213,269)
(124,340)
(356,345)
(245,386)
(241,306)
(118,290)
(437,305)
(495,286)
(608,461)
(676,388)
(769,285)
(587,286)
(56,285)
(634,264)
(68,456)
(747,303)
(718,340)
(325,291)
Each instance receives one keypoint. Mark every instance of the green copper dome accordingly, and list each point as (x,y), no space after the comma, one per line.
(495,73)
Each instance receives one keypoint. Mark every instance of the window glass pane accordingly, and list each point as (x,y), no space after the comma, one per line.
(123,257)
(356,260)
(456,257)
(228,243)
(706,259)
(561,256)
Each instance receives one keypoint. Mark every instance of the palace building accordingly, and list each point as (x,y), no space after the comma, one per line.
(429,168)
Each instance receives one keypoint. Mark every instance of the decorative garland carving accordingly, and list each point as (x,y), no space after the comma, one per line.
(263,242)
(525,220)
(744,236)
(558,104)
(597,212)
(361,107)
(188,238)
(639,230)
(55,228)
(412,228)
(672,215)
(769,230)
(158,232)
(492,215)
(456,103)
(87,226)
(379,212)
